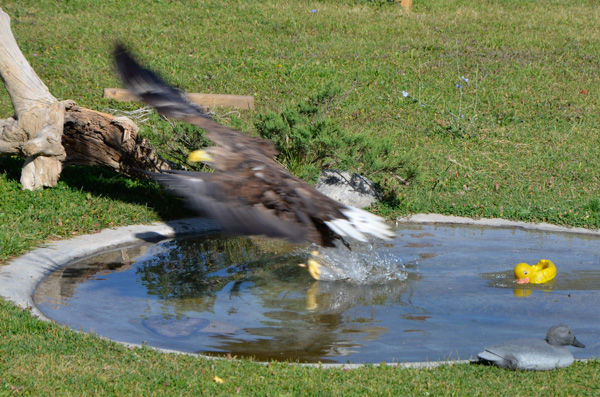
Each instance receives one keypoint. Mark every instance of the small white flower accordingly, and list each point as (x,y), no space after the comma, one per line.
(404,94)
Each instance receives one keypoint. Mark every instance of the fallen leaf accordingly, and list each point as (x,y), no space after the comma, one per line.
(218,380)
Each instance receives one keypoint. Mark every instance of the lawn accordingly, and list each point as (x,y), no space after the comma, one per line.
(471,108)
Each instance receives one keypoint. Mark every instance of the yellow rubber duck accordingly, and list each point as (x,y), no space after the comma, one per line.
(543,272)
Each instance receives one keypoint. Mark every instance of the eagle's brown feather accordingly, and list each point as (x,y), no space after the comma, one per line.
(251,194)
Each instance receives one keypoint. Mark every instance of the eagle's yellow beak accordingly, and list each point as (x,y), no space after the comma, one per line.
(199,156)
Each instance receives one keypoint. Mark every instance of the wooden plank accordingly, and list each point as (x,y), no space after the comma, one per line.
(208,100)
(212,100)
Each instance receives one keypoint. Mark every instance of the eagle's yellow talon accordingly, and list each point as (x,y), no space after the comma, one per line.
(314,268)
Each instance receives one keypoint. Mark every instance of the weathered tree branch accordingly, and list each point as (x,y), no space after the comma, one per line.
(40,117)
(50,133)
(95,138)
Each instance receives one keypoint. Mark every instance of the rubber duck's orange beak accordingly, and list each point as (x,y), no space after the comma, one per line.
(523,280)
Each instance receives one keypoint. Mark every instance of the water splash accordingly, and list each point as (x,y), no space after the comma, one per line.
(364,263)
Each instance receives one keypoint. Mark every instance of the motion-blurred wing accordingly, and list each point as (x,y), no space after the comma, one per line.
(214,195)
(168,101)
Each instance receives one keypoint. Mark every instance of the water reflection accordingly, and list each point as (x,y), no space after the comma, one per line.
(315,323)
(58,288)
(202,267)
(249,298)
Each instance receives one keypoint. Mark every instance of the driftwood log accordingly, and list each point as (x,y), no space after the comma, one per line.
(51,134)
(95,138)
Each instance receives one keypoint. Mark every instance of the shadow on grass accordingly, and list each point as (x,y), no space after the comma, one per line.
(11,167)
(102,182)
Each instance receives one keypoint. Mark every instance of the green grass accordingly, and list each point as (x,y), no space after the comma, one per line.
(520,140)
(48,359)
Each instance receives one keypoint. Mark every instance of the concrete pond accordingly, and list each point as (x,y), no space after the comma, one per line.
(440,291)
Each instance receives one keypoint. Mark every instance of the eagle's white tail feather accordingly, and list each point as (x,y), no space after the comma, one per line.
(369,223)
(345,228)
(360,223)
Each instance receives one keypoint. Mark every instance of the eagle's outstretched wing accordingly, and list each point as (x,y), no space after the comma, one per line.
(253,195)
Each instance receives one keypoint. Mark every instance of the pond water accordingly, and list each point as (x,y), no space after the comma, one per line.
(246,297)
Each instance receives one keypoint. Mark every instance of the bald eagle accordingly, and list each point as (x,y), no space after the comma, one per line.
(250,193)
